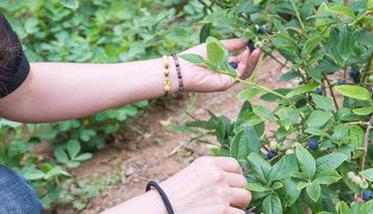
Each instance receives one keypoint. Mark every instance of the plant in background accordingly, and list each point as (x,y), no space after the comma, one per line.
(318,159)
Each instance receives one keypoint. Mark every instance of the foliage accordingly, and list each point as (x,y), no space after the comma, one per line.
(317,158)
(98,31)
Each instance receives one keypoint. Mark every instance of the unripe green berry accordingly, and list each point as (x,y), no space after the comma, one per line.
(273,145)
(364,184)
(350,175)
(356,179)
(259,44)
(289,151)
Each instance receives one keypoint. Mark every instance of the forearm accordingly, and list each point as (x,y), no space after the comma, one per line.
(148,203)
(60,91)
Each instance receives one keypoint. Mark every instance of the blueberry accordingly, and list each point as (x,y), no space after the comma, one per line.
(234,65)
(271,154)
(251,45)
(313,144)
(356,79)
(319,91)
(261,30)
(354,72)
(367,195)
(342,82)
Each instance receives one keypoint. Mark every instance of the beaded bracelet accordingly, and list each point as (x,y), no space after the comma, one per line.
(166,72)
(180,93)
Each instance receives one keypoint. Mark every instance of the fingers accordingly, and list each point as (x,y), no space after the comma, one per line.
(234,44)
(247,62)
(239,197)
(228,164)
(235,180)
(233,210)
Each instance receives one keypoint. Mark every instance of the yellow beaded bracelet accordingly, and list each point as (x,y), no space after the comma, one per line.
(166,72)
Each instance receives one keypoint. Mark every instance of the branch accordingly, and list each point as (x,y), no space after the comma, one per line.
(366,142)
(331,91)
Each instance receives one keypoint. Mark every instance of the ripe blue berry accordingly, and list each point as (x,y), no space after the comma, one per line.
(271,154)
(342,82)
(319,91)
(251,46)
(261,30)
(313,144)
(367,195)
(234,65)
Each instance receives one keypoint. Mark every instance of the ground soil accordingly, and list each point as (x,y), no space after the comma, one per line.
(148,150)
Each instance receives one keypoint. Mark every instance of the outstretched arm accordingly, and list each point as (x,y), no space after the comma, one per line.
(61,91)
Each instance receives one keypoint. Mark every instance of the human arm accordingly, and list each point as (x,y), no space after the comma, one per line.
(219,192)
(61,91)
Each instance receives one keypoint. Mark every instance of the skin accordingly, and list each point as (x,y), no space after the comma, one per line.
(61,91)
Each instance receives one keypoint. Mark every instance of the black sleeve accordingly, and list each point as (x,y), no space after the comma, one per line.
(14,66)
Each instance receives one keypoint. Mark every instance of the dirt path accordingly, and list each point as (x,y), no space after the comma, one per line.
(148,151)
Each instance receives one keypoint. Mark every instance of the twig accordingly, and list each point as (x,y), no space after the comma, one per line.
(331,91)
(366,142)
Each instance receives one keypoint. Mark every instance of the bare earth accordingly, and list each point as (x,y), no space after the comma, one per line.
(147,151)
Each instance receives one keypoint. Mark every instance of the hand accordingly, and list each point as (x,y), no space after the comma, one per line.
(210,185)
(200,79)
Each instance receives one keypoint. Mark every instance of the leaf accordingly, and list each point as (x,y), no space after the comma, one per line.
(193,58)
(255,187)
(326,176)
(272,204)
(322,102)
(34,175)
(367,174)
(250,93)
(343,10)
(313,191)
(363,111)
(259,166)
(83,157)
(61,155)
(306,162)
(217,55)
(354,91)
(366,208)
(235,144)
(318,118)
(303,89)
(205,32)
(264,113)
(332,160)
(73,148)
(72,4)
(289,192)
(309,45)
(343,208)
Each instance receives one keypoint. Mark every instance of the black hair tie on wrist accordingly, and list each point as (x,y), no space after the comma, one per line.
(165,200)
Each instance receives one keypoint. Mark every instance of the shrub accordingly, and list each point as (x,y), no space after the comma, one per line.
(318,158)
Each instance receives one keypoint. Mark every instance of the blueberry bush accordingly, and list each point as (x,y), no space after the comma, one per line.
(97,31)
(319,156)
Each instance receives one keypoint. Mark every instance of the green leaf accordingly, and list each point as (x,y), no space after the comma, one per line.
(343,10)
(309,45)
(289,193)
(363,111)
(367,174)
(332,160)
(306,162)
(72,4)
(264,113)
(217,55)
(205,32)
(34,175)
(61,155)
(326,176)
(322,102)
(276,185)
(73,148)
(314,191)
(303,89)
(83,157)
(318,118)
(259,166)
(343,208)
(250,93)
(272,204)
(354,91)
(255,187)
(366,208)
(193,58)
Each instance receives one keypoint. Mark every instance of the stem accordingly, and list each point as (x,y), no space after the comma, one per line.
(331,91)
(297,13)
(366,142)
(267,90)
